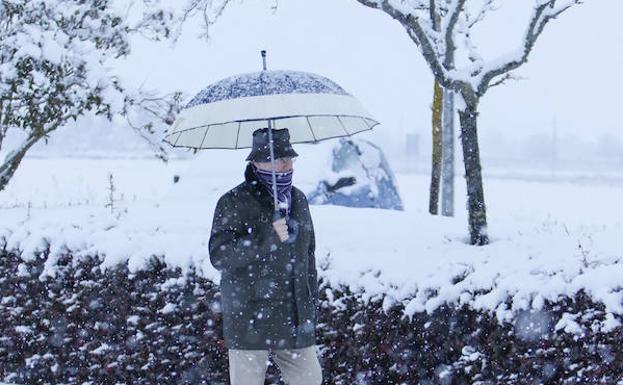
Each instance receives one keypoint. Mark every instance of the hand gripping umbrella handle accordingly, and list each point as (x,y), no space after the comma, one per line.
(293,226)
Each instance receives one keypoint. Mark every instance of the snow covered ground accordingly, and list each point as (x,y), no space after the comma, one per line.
(549,238)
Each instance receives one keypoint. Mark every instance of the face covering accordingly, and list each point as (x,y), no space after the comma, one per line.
(284,184)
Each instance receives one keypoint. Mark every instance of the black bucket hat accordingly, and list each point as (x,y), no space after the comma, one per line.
(281,145)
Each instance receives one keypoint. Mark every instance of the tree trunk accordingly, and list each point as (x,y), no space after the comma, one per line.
(435,176)
(447,168)
(473,175)
(13,159)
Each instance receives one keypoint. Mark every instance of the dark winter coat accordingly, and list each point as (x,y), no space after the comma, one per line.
(269,289)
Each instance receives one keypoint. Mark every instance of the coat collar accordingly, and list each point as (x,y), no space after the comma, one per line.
(258,190)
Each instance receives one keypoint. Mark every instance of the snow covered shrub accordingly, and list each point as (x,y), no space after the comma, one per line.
(57,61)
(107,327)
(159,326)
(459,345)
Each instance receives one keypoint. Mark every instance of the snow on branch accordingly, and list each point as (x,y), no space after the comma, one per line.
(397,9)
(543,12)
(150,114)
(447,30)
(437,25)
(208,10)
(504,78)
(422,33)
(485,9)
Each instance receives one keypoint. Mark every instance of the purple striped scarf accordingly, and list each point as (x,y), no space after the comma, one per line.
(284,184)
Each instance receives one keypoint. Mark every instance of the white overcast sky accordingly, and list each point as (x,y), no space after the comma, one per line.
(573,77)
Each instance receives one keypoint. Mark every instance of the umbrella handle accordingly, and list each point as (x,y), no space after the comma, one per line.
(276,215)
(293,226)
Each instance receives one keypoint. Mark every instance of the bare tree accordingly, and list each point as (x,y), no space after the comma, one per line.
(54,58)
(471,81)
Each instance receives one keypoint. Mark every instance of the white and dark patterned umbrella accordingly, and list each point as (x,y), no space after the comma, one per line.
(225,114)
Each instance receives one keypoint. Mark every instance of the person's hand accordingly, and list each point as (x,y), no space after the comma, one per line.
(281,229)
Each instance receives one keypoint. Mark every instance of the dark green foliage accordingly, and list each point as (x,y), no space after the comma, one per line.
(109,327)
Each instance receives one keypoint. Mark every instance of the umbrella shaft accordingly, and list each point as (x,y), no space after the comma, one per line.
(272,163)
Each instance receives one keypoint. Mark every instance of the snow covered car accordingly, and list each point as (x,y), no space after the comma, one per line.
(360,176)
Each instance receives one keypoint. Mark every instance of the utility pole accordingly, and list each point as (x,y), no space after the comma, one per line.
(447,166)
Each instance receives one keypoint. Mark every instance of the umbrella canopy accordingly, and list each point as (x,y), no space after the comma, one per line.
(225,114)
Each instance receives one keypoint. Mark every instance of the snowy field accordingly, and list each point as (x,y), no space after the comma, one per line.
(549,238)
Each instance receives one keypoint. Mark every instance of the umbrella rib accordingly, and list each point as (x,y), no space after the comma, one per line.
(343,126)
(177,139)
(237,135)
(204,137)
(311,129)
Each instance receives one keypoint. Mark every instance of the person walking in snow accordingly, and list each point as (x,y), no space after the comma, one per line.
(269,287)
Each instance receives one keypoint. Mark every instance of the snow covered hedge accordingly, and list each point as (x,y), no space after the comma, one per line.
(90,325)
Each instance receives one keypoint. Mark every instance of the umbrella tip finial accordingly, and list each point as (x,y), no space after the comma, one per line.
(264,58)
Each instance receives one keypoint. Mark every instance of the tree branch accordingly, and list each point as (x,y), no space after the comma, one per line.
(542,14)
(149,114)
(389,8)
(2,127)
(415,31)
(507,76)
(420,37)
(209,13)
(434,15)
(488,6)
(448,30)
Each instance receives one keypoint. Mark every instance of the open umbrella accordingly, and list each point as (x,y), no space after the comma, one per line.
(225,114)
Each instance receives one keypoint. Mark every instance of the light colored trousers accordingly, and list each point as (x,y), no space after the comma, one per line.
(298,366)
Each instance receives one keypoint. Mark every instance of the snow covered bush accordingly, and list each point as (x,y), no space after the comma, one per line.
(55,66)
(106,327)
(156,326)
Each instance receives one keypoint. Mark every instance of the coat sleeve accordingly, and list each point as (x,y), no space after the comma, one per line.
(230,246)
